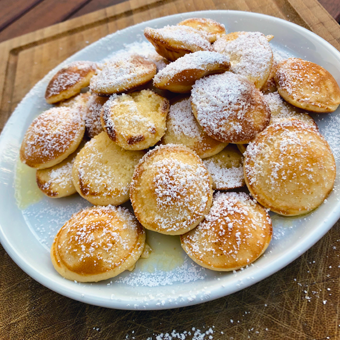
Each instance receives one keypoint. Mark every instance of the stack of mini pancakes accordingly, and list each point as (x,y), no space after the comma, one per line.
(220,115)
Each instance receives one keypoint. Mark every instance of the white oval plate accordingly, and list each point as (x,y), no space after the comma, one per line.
(172,279)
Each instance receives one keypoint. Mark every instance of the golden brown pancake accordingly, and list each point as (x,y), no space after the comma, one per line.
(173,42)
(226,168)
(122,74)
(102,171)
(307,85)
(280,110)
(56,182)
(68,81)
(289,168)
(182,128)
(97,244)
(235,233)
(212,28)
(229,108)
(135,121)
(52,137)
(250,55)
(181,75)
(171,190)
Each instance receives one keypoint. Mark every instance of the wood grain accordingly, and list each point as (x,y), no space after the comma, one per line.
(299,302)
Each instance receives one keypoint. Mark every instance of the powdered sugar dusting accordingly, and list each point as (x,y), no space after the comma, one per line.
(183,36)
(250,54)
(182,121)
(223,177)
(192,61)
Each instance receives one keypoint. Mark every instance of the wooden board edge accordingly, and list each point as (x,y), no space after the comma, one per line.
(320,21)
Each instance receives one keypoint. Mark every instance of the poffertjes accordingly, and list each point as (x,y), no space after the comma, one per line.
(68,81)
(102,171)
(307,85)
(182,128)
(289,168)
(135,121)
(173,42)
(229,108)
(235,233)
(52,137)
(250,55)
(122,73)
(180,75)
(171,190)
(97,244)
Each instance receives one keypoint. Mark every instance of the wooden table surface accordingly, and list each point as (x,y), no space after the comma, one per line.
(301,301)
(23,16)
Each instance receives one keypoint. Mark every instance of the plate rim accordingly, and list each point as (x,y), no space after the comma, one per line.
(282,261)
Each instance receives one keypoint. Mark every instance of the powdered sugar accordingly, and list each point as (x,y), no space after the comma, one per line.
(182,36)
(250,54)
(194,61)
(182,121)
(223,177)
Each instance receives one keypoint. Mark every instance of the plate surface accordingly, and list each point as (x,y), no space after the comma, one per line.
(169,278)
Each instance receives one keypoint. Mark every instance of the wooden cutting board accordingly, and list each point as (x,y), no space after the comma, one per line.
(299,302)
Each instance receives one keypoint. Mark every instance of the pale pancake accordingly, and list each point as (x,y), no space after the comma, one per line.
(68,81)
(171,190)
(181,75)
(102,171)
(307,85)
(52,137)
(135,121)
(270,85)
(123,73)
(229,108)
(226,168)
(235,233)
(212,28)
(56,182)
(289,168)
(242,148)
(173,42)
(182,128)
(250,55)
(97,244)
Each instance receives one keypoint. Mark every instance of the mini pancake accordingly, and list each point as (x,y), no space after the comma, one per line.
(97,244)
(229,108)
(307,85)
(68,81)
(52,137)
(250,55)
(181,75)
(135,121)
(280,110)
(171,190)
(213,28)
(270,85)
(123,73)
(235,233)
(93,124)
(56,182)
(173,42)
(226,168)
(102,171)
(182,128)
(289,168)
